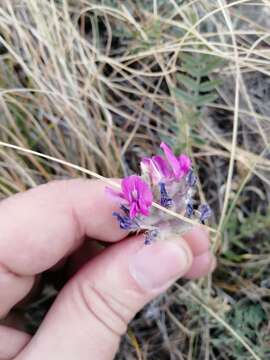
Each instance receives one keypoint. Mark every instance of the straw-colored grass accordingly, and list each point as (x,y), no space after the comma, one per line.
(88,87)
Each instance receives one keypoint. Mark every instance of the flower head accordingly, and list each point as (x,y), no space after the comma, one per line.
(136,194)
(171,180)
(180,166)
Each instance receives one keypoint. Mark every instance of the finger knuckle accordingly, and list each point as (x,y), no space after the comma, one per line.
(105,307)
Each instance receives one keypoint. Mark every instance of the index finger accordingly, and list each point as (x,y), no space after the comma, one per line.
(44,224)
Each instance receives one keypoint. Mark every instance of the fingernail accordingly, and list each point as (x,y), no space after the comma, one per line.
(158,265)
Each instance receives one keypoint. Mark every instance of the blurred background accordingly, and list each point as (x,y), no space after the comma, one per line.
(98,84)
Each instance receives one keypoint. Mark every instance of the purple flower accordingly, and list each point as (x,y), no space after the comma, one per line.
(180,165)
(170,179)
(136,194)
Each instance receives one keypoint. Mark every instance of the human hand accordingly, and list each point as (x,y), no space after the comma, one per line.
(44,225)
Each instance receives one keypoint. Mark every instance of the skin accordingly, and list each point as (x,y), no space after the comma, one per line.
(59,221)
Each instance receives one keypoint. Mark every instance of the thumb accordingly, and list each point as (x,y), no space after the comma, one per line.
(93,310)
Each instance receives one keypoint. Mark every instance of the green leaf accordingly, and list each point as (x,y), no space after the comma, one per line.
(186,97)
(188,82)
(192,116)
(201,64)
(209,85)
(192,70)
(199,100)
(205,99)
(197,140)
(230,255)
(192,60)
(207,68)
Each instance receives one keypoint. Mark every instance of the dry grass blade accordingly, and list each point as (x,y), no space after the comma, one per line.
(236,117)
(221,321)
(98,85)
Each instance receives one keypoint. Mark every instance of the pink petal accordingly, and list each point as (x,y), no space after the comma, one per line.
(144,208)
(157,168)
(152,169)
(185,163)
(133,210)
(137,192)
(146,161)
(145,193)
(172,159)
(162,166)
(128,185)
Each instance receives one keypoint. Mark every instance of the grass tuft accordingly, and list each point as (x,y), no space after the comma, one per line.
(88,87)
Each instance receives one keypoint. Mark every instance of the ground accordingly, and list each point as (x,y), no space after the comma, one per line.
(100,84)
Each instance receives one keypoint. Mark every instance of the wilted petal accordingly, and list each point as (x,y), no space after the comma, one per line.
(191,179)
(146,165)
(162,166)
(205,212)
(149,166)
(150,236)
(165,200)
(189,208)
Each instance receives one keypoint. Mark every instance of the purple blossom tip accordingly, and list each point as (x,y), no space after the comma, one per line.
(172,159)
(189,209)
(191,179)
(205,212)
(185,163)
(125,222)
(165,200)
(150,236)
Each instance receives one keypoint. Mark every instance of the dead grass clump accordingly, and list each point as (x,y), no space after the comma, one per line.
(98,84)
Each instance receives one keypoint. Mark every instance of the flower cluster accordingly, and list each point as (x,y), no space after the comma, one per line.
(170,181)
